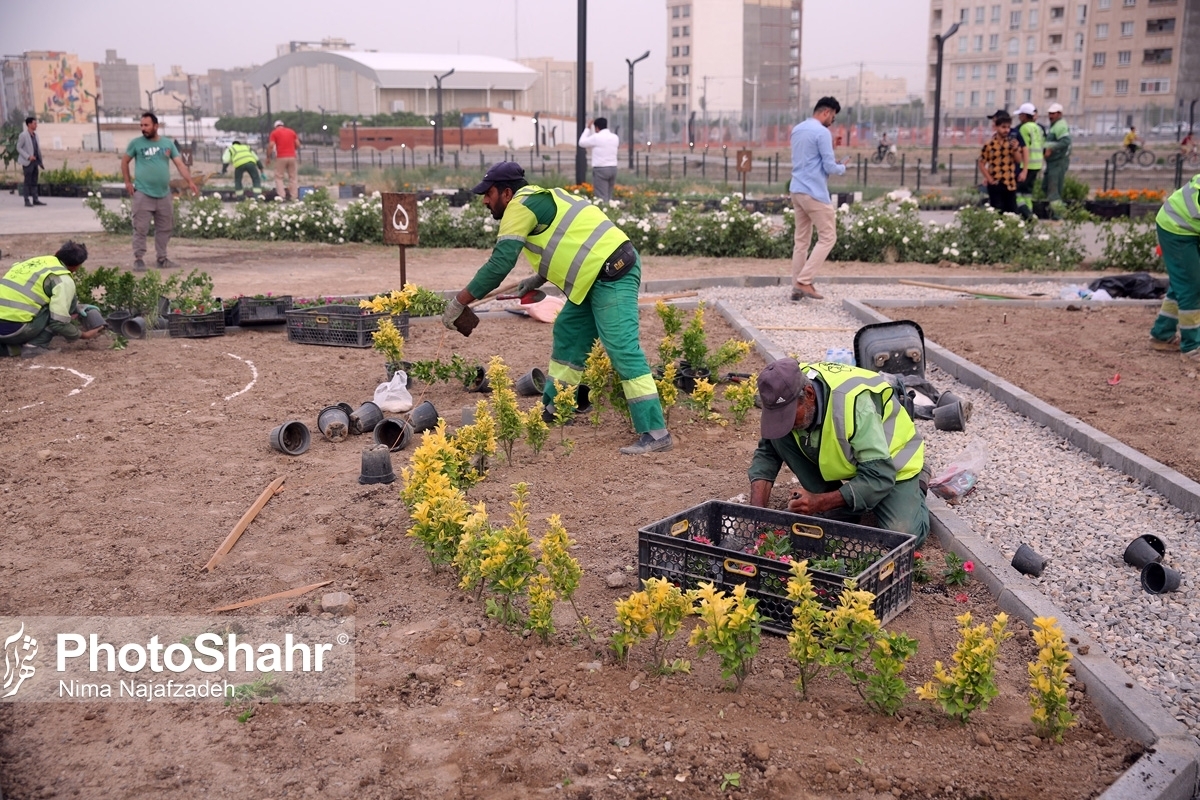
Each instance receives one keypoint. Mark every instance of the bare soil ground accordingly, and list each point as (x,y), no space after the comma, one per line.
(115,496)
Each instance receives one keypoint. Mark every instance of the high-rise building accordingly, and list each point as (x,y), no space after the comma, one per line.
(1110,63)
(859,89)
(729,61)
(227,92)
(123,86)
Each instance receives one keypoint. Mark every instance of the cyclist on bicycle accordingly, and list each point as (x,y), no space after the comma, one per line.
(1187,148)
(884,146)
(1131,141)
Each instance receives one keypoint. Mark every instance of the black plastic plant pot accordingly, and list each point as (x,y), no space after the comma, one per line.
(1146,549)
(1157,579)
(364,418)
(480,382)
(950,417)
(116,319)
(1028,562)
(291,438)
(394,433)
(94,319)
(423,418)
(334,423)
(532,383)
(686,382)
(376,465)
(134,328)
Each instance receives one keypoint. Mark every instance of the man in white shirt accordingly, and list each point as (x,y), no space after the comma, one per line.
(604,145)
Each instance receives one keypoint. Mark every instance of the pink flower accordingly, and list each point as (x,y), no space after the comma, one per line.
(918,555)
(961,597)
(968,566)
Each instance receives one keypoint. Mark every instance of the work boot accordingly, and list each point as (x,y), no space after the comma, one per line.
(1192,356)
(37,202)
(33,351)
(648,444)
(1169,346)
(139,265)
(166,263)
(28,203)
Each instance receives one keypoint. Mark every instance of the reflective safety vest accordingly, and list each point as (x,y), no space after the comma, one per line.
(239,155)
(1180,214)
(571,250)
(1035,140)
(836,459)
(22,294)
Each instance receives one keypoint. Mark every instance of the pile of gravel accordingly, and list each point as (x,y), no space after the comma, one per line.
(1039,490)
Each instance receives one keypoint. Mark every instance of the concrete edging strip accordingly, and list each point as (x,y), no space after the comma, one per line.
(1170,768)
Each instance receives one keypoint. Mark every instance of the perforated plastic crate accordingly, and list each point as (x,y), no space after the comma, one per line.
(258,310)
(196,326)
(880,561)
(337,326)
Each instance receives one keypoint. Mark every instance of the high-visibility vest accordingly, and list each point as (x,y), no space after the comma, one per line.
(571,251)
(846,383)
(1035,140)
(239,155)
(22,294)
(1180,214)
(1059,131)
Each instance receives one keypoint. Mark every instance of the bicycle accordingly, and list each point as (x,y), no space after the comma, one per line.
(889,156)
(1143,157)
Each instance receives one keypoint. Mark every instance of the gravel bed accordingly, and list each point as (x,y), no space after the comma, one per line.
(1039,490)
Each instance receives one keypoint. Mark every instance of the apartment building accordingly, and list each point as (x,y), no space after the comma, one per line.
(728,59)
(1110,63)
(49,84)
(860,89)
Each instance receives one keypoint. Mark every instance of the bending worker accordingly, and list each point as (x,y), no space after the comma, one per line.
(852,446)
(1177,326)
(572,244)
(37,298)
(244,162)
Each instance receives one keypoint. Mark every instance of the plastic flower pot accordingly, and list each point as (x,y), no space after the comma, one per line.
(686,382)
(134,328)
(400,366)
(480,382)
(94,319)
(291,438)
(423,418)
(950,417)
(1157,579)
(116,319)
(394,433)
(365,417)
(1028,562)
(376,465)
(1145,549)
(532,383)
(334,423)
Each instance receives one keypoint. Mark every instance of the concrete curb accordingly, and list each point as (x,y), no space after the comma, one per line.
(1170,769)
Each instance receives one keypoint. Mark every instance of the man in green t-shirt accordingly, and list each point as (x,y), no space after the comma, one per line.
(151,190)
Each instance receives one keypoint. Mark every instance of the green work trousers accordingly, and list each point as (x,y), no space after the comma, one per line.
(902,509)
(609,312)
(1180,309)
(250,169)
(1025,193)
(33,332)
(1056,178)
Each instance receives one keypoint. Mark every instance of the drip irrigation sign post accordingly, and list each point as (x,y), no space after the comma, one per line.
(400,224)
(745,163)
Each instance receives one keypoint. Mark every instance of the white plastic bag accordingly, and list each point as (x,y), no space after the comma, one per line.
(960,477)
(393,396)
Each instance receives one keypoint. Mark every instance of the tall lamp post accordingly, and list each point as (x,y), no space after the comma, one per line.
(581,97)
(629,133)
(437,132)
(937,93)
(96,100)
(267,88)
(150,98)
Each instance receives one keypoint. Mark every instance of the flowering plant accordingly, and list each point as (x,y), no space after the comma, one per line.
(1132,195)
(957,571)
(772,543)
(920,569)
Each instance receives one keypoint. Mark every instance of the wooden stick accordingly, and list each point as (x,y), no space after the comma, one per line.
(299,590)
(243,523)
(655,298)
(493,293)
(907,282)
(801,328)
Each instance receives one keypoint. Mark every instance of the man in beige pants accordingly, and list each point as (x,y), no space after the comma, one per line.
(283,147)
(812,164)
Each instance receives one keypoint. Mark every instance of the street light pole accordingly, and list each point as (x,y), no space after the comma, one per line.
(150,98)
(96,99)
(437,132)
(581,97)
(937,94)
(629,133)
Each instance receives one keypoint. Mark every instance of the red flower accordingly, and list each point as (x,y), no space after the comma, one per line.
(968,566)
(961,597)
(918,555)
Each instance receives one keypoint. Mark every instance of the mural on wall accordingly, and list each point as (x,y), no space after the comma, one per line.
(58,84)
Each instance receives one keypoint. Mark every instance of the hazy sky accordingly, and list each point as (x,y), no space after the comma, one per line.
(889,35)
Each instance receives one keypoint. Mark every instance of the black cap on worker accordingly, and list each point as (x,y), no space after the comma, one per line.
(502,172)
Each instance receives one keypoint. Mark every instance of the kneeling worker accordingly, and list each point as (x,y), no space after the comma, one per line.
(37,299)
(852,446)
(573,245)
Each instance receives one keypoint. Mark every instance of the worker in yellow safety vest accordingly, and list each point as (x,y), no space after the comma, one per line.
(1033,142)
(244,162)
(849,441)
(37,301)
(573,245)
(1177,327)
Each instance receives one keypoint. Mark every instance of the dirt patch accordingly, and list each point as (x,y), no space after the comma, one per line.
(1094,363)
(115,496)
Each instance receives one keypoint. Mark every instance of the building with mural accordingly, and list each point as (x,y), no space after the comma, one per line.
(51,85)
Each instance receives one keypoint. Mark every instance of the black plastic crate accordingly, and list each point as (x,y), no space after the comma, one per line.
(196,326)
(338,326)
(880,561)
(258,310)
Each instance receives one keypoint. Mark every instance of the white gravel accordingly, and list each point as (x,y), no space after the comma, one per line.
(1040,490)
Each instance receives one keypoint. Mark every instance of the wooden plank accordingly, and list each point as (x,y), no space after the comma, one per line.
(802,328)
(243,523)
(299,590)
(655,298)
(973,292)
